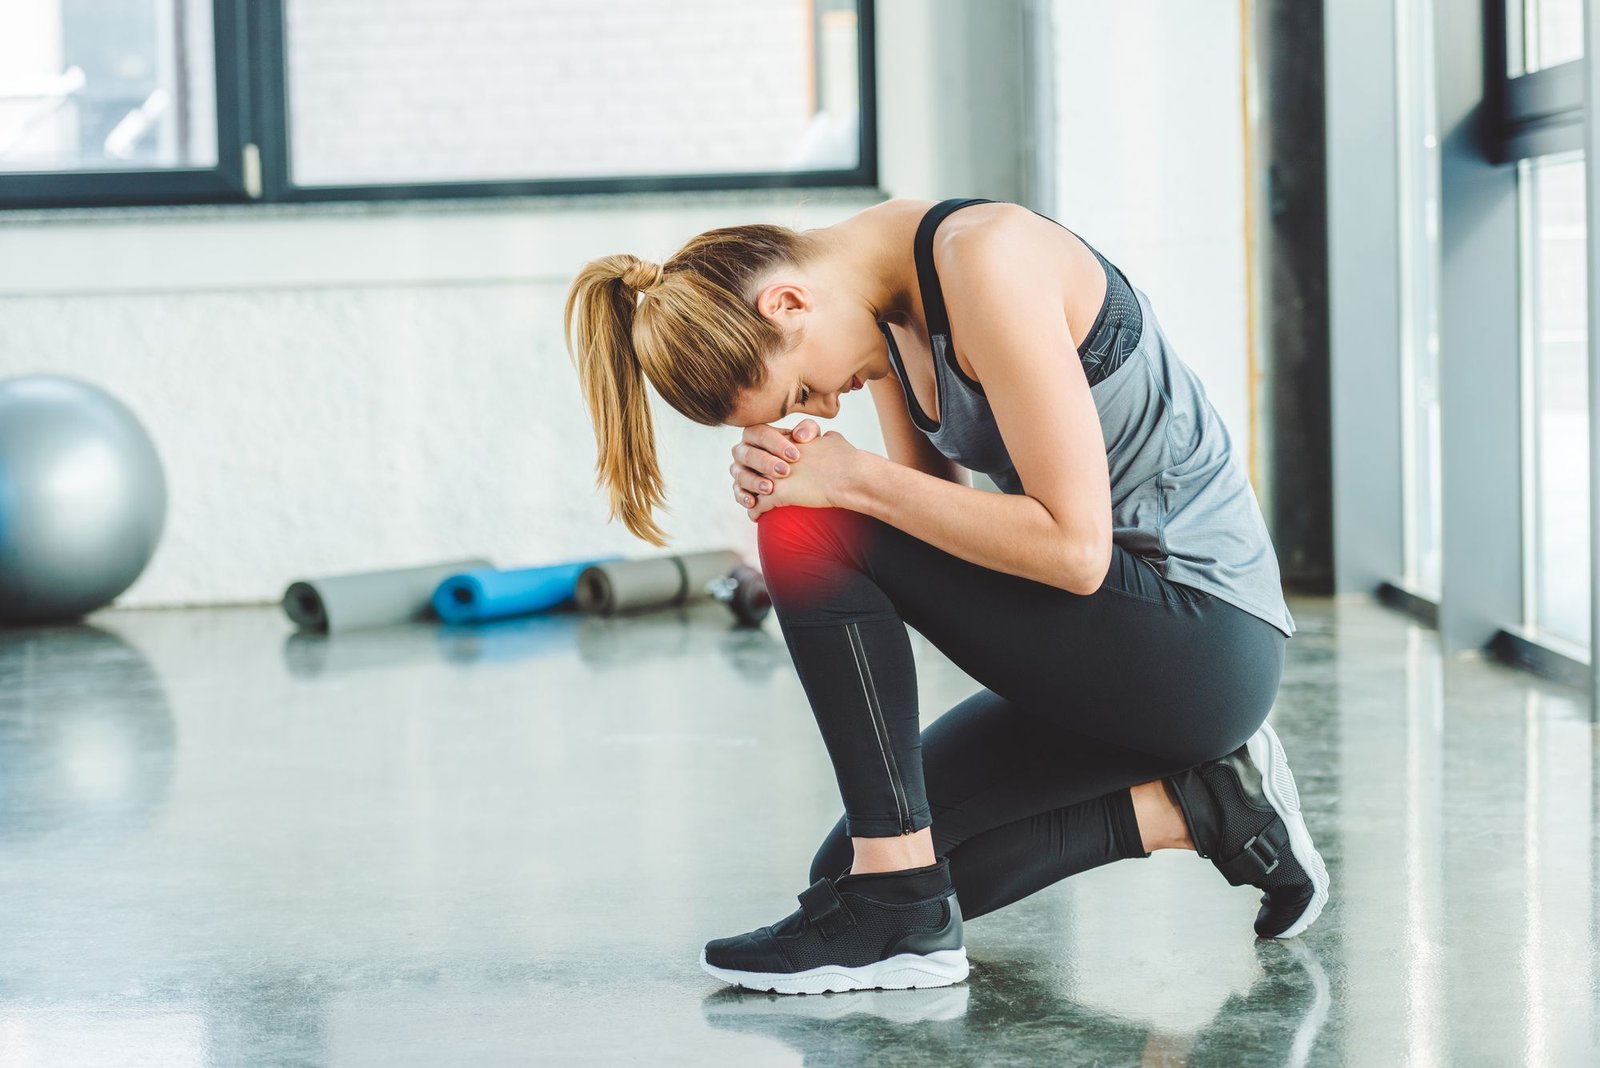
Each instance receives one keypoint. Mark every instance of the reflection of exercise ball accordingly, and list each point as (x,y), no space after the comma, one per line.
(82,498)
(88,746)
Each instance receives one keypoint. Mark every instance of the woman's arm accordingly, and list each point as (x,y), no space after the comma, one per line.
(1006,532)
(1004,285)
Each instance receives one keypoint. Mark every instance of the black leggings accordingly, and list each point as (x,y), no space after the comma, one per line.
(1026,781)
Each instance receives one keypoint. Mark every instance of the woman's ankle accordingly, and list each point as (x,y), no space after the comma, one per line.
(896,853)
(1161,822)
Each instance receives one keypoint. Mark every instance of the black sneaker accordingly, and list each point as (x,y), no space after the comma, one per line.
(890,930)
(1243,812)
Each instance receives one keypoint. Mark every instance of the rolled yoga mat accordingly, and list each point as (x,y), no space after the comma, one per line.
(370,598)
(489,593)
(658,582)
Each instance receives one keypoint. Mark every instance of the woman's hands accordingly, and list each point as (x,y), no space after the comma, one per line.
(773,467)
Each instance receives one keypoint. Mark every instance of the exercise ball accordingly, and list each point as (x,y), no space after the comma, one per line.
(82,498)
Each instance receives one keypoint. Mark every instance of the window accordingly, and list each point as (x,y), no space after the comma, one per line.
(87,85)
(107,101)
(1542,33)
(118,101)
(1418,156)
(1555,397)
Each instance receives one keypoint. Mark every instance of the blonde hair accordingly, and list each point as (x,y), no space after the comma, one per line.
(690,326)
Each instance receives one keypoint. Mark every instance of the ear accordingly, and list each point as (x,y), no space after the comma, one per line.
(781,299)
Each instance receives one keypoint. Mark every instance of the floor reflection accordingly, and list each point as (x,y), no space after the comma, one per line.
(87,742)
(221,843)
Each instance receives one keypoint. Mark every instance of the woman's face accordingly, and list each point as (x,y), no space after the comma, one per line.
(834,348)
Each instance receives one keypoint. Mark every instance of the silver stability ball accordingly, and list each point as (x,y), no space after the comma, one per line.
(82,498)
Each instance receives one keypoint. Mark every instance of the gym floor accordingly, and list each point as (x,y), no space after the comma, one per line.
(223,844)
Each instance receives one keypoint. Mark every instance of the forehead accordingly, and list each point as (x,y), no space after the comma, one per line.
(764,403)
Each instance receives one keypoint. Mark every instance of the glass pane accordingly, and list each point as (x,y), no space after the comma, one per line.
(1556,303)
(459,90)
(100,84)
(1516,50)
(1551,33)
(1419,243)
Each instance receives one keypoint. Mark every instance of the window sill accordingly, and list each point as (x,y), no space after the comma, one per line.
(1418,606)
(517,240)
(445,206)
(1542,654)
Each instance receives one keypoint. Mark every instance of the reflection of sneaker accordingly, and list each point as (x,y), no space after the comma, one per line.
(851,1028)
(895,930)
(1280,1019)
(1243,812)
(737,1009)
(1305,1035)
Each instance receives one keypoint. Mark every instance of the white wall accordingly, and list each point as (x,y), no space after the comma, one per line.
(951,98)
(336,391)
(1150,151)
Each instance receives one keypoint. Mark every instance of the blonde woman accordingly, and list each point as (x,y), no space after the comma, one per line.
(1119,602)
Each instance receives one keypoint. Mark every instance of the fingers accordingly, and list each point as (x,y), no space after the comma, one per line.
(753,505)
(761,508)
(762,455)
(764,437)
(748,482)
(754,458)
(747,476)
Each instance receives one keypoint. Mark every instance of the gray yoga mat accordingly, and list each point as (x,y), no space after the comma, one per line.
(657,582)
(370,598)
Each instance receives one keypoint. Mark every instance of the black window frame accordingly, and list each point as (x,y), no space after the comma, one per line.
(1536,114)
(253,156)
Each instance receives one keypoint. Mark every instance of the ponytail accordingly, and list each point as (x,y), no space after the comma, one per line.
(604,300)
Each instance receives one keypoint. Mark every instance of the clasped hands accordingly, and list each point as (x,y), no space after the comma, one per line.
(774,467)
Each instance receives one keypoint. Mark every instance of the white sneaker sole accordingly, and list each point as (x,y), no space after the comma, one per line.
(903,971)
(1278,782)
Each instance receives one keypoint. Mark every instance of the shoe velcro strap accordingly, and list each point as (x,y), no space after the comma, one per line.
(1257,859)
(825,908)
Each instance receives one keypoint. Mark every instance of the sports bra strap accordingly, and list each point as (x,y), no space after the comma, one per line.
(927,278)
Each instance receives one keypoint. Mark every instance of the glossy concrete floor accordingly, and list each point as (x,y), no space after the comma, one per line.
(223,844)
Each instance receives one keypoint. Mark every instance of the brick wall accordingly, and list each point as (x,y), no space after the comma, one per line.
(391,90)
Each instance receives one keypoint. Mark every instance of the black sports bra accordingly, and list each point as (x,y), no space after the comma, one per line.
(1100,353)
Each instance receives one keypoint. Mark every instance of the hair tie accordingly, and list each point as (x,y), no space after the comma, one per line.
(644,277)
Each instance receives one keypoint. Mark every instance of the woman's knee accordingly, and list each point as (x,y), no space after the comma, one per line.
(1216,735)
(794,530)
(809,556)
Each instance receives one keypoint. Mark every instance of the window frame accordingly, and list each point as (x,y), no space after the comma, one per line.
(1537,114)
(253,145)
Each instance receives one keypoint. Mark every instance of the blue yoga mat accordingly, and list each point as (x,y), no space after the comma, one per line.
(489,593)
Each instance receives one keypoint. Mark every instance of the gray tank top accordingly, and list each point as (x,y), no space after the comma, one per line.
(1180,498)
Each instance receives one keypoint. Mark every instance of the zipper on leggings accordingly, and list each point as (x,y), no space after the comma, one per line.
(880,727)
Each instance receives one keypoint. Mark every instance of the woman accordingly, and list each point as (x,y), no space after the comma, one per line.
(1119,602)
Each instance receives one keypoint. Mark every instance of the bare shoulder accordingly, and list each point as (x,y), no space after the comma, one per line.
(983,237)
(1004,258)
